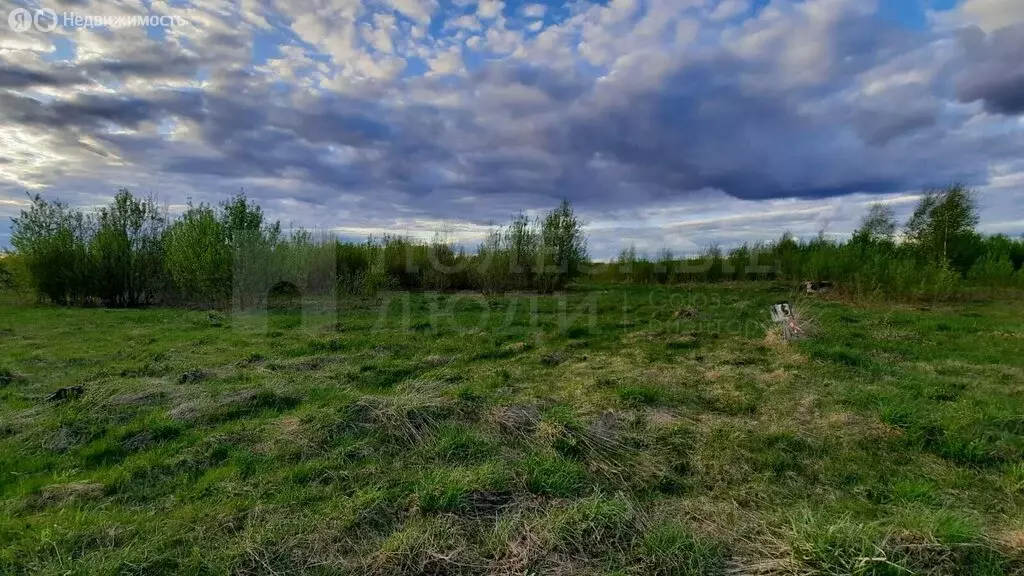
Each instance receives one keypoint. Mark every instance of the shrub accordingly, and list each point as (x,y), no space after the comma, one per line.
(197,256)
(127,250)
(992,270)
(53,240)
(7,281)
(251,243)
(939,250)
(352,266)
(128,254)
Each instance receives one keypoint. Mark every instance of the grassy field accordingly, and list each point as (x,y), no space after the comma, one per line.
(613,430)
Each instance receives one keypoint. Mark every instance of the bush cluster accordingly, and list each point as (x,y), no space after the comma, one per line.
(937,252)
(132,253)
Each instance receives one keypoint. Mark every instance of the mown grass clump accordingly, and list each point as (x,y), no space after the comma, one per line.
(639,395)
(479,489)
(592,522)
(670,548)
(246,403)
(554,476)
(958,437)
(944,544)
(461,444)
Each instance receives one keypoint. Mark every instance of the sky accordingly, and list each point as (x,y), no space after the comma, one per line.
(667,123)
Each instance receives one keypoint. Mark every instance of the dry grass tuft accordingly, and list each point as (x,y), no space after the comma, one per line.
(436,361)
(516,347)
(186,412)
(63,494)
(660,417)
(1013,540)
(425,545)
(775,377)
(518,421)
(599,442)
(8,377)
(142,398)
(406,418)
(520,548)
(685,313)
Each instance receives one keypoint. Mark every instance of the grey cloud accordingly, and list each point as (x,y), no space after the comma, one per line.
(696,131)
(560,86)
(19,77)
(878,127)
(994,71)
(894,113)
(91,111)
(159,65)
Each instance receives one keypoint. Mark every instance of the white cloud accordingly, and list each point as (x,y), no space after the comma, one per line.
(534,10)
(466,21)
(728,9)
(503,41)
(794,44)
(448,62)
(418,10)
(994,14)
(686,31)
(618,11)
(488,9)
(378,37)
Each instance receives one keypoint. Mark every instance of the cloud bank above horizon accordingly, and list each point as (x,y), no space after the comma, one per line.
(672,123)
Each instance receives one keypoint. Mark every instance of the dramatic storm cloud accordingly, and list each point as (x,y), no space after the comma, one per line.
(667,122)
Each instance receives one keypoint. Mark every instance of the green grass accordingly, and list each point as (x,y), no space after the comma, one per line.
(455,434)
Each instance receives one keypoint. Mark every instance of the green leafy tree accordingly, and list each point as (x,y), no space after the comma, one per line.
(879,224)
(243,223)
(521,241)
(251,242)
(942,227)
(563,247)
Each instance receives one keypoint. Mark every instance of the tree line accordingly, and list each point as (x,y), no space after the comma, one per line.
(936,253)
(133,253)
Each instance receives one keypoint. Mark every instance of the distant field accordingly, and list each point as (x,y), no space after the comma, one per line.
(612,430)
